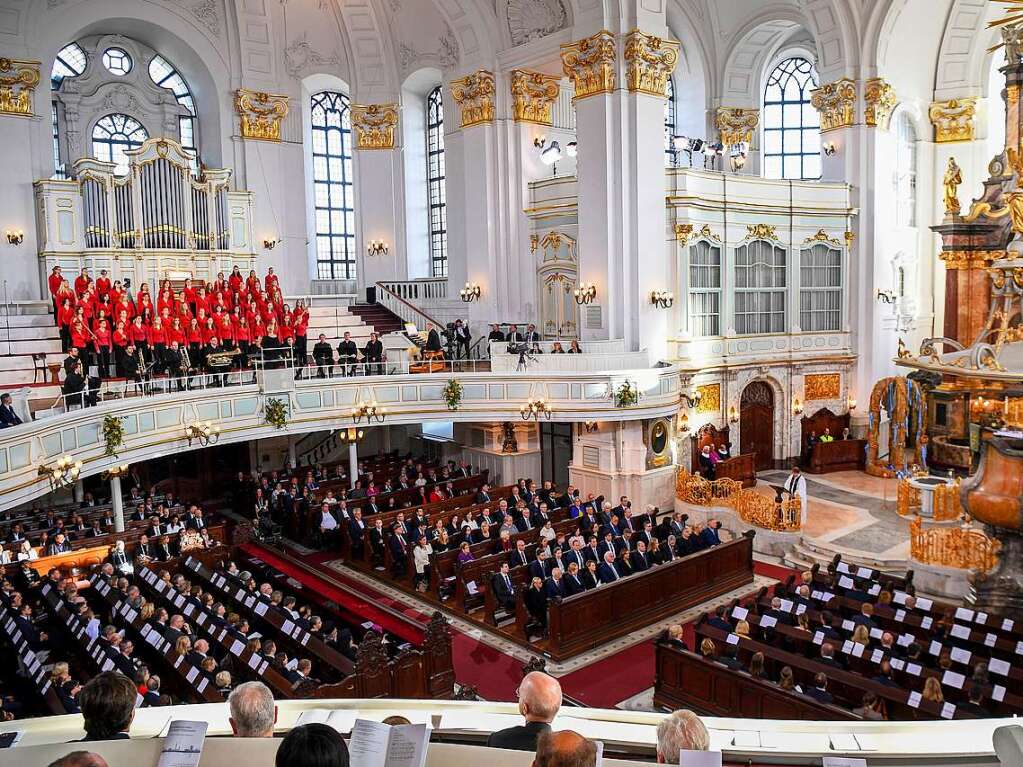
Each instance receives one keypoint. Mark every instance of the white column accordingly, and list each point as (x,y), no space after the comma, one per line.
(386,439)
(78,491)
(353,461)
(117,503)
(293,452)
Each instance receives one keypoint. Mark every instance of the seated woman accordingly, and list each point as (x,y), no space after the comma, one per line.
(556,348)
(573,348)
(464,553)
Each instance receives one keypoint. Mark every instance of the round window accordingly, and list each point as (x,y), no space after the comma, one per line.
(117,61)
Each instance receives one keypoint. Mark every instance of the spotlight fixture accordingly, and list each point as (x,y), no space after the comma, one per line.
(797,407)
(829,147)
(115,471)
(271,244)
(203,432)
(550,155)
(851,403)
(586,293)
(885,296)
(15,236)
(591,426)
(63,472)
(733,415)
(376,248)
(683,424)
(371,411)
(471,292)
(662,299)
(534,409)
(572,148)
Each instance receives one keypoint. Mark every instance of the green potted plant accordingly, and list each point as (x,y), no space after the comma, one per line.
(626,395)
(453,394)
(275,411)
(113,434)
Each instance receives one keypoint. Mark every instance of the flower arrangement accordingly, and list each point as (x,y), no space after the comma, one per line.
(626,395)
(113,434)
(276,412)
(453,394)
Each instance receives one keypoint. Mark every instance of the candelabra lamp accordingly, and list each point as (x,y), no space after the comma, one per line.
(471,292)
(64,471)
(370,411)
(662,299)
(115,471)
(203,432)
(536,409)
(586,293)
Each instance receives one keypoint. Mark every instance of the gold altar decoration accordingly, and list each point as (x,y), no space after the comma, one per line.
(907,499)
(962,547)
(18,80)
(904,398)
(683,232)
(755,508)
(953,120)
(836,103)
(533,95)
(945,507)
(969,259)
(824,237)
(373,125)
(736,124)
(953,178)
(710,398)
(694,489)
(879,97)
(761,232)
(590,64)
(819,386)
(260,114)
(474,95)
(649,62)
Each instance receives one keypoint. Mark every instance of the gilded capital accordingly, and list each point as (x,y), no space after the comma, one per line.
(373,125)
(260,114)
(590,64)
(736,124)
(18,80)
(533,95)
(953,120)
(836,103)
(683,232)
(879,98)
(649,62)
(474,95)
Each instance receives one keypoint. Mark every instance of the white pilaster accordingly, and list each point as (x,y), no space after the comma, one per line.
(117,504)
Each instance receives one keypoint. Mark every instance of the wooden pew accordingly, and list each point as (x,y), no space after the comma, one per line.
(840,455)
(586,620)
(38,676)
(742,468)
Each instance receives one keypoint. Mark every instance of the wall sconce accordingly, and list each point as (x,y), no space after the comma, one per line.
(591,426)
(351,434)
(885,296)
(683,424)
(271,244)
(691,394)
(851,403)
(203,432)
(376,248)
(15,236)
(370,411)
(733,415)
(797,407)
(662,299)
(585,293)
(572,148)
(534,409)
(63,472)
(471,292)
(549,153)
(115,471)
(829,148)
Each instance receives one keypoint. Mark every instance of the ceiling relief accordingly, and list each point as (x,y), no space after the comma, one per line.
(446,54)
(532,19)
(300,57)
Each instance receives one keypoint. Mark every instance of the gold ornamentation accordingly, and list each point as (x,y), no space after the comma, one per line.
(18,80)
(903,351)
(706,233)
(533,94)
(758,510)
(960,547)
(953,120)
(953,178)
(836,103)
(590,64)
(761,232)
(818,386)
(649,62)
(683,232)
(694,489)
(822,236)
(373,125)
(260,113)
(736,124)
(879,97)
(850,237)
(710,398)
(970,259)
(534,241)
(474,95)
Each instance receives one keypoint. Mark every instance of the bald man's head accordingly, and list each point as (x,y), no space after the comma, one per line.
(539,697)
(80,759)
(564,749)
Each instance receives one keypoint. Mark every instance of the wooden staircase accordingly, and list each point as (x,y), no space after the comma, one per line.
(380,317)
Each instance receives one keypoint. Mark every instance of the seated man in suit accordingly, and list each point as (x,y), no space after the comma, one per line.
(8,417)
(535,600)
(553,585)
(819,691)
(709,535)
(608,572)
(728,659)
(539,701)
(828,656)
(504,589)
(639,558)
(323,356)
(433,343)
(571,582)
(374,354)
(519,557)
(107,702)
(347,354)
(399,552)
(719,619)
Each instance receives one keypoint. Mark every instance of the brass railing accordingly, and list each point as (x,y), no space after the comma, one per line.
(908,501)
(959,547)
(752,507)
(945,504)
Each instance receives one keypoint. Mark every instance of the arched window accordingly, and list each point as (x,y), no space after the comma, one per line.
(163,73)
(905,171)
(820,289)
(113,136)
(70,62)
(333,186)
(436,194)
(704,289)
(669,125)
(792,133)
(760,288)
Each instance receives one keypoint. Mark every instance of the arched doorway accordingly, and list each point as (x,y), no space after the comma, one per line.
(756,423)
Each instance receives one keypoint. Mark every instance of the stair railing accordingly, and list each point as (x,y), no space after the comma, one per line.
(403,309)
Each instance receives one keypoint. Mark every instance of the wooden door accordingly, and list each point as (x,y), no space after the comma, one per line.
(756,423)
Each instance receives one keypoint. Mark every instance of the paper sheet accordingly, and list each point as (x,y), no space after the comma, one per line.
(183,745)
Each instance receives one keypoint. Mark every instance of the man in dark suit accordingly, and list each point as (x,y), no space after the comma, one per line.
(399,550)
(8,417)
(639,559)
(553,586)
(719,619)
(323,355)
(819,691)
(483,496)
(538,567)
(539,701)
(433,343)
(107,702)
(571,583)
(540,516)
(514,337)
(347,354)
(462,338)
(728,659)
(356,533)
(709,535)
(519,557)
(504,589)
(608,572)
(374,353)
(828,656)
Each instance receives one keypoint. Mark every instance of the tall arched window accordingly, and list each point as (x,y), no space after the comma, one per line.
(792,133)
(70,62)
(669,124)
(333,186)
(436,194)
(114,135)
(905,171)
(163,73)
(760,288)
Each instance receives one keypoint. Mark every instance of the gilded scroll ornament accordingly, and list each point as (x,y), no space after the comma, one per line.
(879,97)
(373,125)
(18,80)
(953,178)
(822,236)
(836,103)
(710,398)
(649,62)
(761,232)
(590,64)
(707,234)
(683,232)
(736,125)
(260,114)
(533,95)
(953,120)
(818,386)
(474,95)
